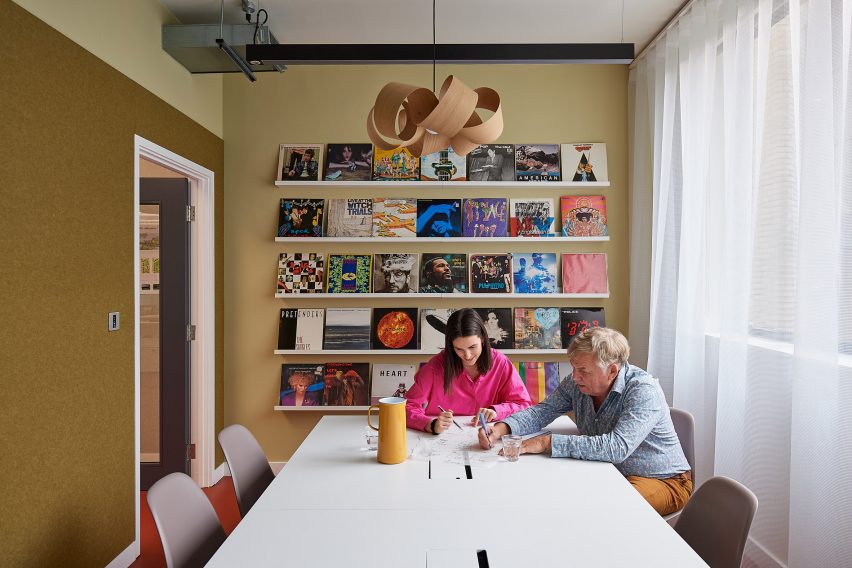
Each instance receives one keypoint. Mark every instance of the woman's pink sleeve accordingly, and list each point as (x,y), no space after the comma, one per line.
(417,396)
(512,394)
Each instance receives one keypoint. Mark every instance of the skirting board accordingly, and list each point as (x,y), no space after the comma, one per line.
(223,470)
(755,556)
(127,557)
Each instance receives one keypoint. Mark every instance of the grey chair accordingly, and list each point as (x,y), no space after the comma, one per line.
(189,528)
(684,425)
(249,469)
(715,522)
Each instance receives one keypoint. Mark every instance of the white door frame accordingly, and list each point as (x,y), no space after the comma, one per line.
(202,310)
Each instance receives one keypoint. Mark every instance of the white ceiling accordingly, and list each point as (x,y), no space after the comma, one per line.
(458,21)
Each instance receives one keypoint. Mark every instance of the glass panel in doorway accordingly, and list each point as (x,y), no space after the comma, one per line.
(149,332)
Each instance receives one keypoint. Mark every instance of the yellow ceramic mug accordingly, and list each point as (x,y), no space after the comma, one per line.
(391,429)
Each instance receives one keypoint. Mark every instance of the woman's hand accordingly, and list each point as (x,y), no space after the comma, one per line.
(443,421)
(488,413)
(495,432)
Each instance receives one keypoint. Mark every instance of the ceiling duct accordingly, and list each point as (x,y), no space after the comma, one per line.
(195,46)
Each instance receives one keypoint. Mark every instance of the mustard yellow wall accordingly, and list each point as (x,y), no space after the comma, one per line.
(127,36)
(542,104)
(67,122)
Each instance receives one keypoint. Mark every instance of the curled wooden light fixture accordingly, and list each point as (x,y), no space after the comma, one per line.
(429,123)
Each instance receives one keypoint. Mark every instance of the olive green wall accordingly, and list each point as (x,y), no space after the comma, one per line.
(542,104)
(67,122)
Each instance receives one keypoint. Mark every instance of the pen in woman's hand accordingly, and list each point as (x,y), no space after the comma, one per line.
(441,408)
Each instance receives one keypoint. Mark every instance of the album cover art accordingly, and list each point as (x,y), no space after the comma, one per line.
(299,162)
(350,217)
(444,165)
(300,273)
(485,217)
(391,380)
(433,327)
(348,162)
(395,165)
(301,329)
(395,273)
(300,218)
(532,217)
(443,273)
(588,161)
(439,217)
(394,328)
(347,384)
(537,328)
(347,329)
(499,325)
(394,217)
(537,162)
(491,273)
(302,385)
(540,378)
(576,320)
(534,273)
(491,162)
(349,273)
(584,273)
(584,216)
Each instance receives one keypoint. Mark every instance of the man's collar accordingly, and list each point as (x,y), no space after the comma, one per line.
(620,380)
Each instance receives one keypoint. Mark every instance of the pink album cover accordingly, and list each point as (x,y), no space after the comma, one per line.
(584,273)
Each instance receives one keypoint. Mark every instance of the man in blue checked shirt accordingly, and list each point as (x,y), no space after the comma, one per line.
(622,416)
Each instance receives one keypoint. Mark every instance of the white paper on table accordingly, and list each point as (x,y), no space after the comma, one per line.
(450,445)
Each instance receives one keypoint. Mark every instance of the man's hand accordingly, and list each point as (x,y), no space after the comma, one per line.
(495,432)
(537,445)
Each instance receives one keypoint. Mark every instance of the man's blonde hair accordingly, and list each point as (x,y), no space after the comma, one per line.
(607,344)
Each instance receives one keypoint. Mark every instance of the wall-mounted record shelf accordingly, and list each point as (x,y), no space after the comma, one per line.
(406,352)
(495,184)
(466,296)
(323,408)
(392,240)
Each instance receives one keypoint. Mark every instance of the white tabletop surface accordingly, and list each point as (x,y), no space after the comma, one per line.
(333,504)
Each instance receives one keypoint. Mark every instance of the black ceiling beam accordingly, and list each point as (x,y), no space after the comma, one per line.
(368,54)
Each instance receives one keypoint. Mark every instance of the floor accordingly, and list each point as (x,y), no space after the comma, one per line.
(224,501)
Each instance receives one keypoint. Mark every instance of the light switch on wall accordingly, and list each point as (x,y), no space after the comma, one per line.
(114,322)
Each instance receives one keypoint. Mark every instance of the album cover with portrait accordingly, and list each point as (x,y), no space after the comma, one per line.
(534,272)
(347,384)
(444,165)
(301,217)
(491,162)
(541,378)
(300,273)
(585,161)
(443,273)
(433,328)
(299,162)
(485,217)
(532,217)
(395,165)
(348,162)
(583,216)
(499,325)
(491,273)
(537,328)
(302,385)
(394,328)
(537,162)
(576,320)
(349,274)
(352,217)
(439,217)
(394,217)
(347,329)
(395,273)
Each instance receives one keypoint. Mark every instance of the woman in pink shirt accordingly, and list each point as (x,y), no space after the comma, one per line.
(467,377)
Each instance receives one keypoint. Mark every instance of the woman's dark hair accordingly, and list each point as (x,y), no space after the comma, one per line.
(465,322)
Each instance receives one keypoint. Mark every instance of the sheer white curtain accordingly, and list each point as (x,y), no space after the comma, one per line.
(741,138)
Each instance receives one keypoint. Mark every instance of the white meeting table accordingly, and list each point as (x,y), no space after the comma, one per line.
(333,504)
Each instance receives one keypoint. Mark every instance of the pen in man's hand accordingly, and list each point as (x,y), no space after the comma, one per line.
(485,428)
(441,408)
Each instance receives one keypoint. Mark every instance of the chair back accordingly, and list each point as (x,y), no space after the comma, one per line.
(715,522)
(684,425)
(189,528)
(250,471)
